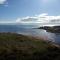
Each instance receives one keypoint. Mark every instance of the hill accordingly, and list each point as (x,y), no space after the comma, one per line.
(53,29)
(19,47)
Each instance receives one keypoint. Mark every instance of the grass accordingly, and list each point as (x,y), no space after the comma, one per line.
(19,47)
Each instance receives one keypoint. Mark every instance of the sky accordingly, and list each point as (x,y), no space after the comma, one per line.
(29,11)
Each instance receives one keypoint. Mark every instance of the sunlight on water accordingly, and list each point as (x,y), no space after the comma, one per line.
(21,29)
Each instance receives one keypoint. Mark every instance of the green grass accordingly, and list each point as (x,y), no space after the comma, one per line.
(19,47)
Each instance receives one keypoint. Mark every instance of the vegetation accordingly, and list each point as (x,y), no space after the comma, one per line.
(19,47)
(53,29)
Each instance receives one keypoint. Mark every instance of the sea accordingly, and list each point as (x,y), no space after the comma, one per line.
(31,31)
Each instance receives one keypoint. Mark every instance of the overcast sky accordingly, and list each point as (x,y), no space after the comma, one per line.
(30,11)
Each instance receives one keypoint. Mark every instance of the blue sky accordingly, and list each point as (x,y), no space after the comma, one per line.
(13,9)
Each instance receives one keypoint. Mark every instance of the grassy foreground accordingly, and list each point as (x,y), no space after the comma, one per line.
(18,47)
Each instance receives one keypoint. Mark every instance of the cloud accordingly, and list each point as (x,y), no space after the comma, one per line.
(3,1)
(43,18)
(34,19)
(26,20)
(43,14)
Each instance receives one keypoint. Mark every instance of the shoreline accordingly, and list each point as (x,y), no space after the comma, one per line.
(17,46)
(33,37)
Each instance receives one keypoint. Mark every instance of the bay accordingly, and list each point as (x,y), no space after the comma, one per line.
(29,30)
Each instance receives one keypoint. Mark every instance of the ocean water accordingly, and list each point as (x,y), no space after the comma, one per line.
(29,30)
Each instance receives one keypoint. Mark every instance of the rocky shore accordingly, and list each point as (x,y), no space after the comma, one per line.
(53,29)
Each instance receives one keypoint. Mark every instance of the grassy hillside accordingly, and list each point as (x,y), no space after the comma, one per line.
(18,47)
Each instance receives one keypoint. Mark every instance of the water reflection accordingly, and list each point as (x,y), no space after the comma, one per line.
(22,29)
(57,38)
(39,33)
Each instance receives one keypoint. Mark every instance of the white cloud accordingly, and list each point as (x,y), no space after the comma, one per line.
(2,1)
(43,14)
(43,18)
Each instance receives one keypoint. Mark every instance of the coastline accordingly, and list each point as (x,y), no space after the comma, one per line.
(31,37)
(21,47)
(53,29)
